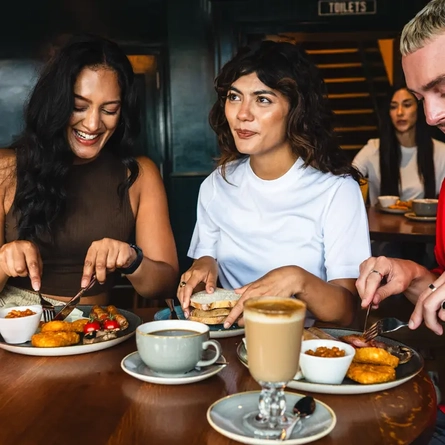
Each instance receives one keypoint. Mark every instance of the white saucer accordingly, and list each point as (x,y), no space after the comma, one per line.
(133,365)
(414,217)
(226,417)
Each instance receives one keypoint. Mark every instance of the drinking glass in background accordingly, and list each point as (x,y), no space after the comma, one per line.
(274,330)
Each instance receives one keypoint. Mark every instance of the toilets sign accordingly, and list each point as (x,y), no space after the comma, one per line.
(326,7)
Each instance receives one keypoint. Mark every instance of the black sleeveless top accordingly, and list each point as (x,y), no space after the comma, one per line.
(94,211)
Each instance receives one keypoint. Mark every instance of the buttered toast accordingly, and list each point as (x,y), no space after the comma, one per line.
(212,308)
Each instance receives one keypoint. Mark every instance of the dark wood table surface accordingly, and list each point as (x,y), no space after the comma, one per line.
(393,227)
(87,399)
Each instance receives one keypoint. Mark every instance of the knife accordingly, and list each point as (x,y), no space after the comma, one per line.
(71,304)
(366,318)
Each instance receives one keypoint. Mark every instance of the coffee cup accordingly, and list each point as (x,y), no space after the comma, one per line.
(425,207)
(174,347)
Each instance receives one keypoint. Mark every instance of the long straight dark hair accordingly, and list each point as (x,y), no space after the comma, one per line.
(44,156)
(391,154)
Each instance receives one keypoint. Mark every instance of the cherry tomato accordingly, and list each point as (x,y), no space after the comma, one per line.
(91,326)
(110,324)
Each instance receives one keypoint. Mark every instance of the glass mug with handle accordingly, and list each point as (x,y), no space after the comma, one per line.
(274,331)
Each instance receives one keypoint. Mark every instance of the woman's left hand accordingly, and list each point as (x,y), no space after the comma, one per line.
(106,255)
(282,282)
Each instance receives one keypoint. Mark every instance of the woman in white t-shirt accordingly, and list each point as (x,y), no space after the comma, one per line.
(405,161)
(282,214)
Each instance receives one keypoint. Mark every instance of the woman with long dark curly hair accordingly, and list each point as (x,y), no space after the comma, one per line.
(73,195)
(283,213)
(405,161)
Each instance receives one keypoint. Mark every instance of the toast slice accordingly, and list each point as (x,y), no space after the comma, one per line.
(221,298)
(213,316)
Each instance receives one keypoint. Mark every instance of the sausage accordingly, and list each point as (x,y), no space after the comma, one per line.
(123,323)
(98,313)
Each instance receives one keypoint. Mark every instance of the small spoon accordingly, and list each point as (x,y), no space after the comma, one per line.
(303,408)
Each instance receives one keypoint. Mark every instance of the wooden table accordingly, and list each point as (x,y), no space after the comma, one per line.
(391,227)
(87,399)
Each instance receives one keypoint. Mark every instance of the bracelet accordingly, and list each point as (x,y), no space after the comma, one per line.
(135,264)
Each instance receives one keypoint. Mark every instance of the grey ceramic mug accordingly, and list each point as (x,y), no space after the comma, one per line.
(174,347)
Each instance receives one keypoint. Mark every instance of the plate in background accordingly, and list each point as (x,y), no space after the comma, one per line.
(413,217)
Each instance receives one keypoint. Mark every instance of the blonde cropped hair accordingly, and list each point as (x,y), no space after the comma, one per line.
(427,24)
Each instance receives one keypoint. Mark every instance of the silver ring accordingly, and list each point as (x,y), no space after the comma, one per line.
(182,284)
(376,271)
(442,305)
(432,287)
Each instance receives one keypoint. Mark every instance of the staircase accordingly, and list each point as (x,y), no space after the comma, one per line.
(357,84)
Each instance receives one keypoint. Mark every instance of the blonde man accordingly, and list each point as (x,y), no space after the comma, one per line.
(422,45)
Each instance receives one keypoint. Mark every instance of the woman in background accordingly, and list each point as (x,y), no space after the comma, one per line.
(73,196)
(283,213)
(405,161)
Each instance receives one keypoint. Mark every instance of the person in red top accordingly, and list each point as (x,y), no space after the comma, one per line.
(422,45)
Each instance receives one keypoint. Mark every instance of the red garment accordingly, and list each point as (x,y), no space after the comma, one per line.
(439,249)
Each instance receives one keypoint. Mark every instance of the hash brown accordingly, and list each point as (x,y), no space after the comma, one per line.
(375,356)
(369,374)
(55,339)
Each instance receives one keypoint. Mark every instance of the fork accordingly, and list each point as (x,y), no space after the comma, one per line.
(384,326)
(48,309)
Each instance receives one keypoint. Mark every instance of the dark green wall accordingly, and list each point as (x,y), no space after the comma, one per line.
(194,37)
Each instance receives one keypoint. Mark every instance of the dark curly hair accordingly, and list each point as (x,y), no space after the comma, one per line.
(285,67)
(44,156)
(391,156)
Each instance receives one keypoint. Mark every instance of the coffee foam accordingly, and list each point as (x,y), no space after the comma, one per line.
(275,308)
(274,318)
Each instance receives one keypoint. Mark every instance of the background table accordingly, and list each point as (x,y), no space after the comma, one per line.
(393,227)
(88,399)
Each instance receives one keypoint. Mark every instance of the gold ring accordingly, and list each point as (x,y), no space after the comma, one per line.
(182,284)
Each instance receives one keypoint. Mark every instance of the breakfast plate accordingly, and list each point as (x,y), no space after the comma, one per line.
(226,416)
(413,217)
(389,210)
(133,365)
(216,331)
(404,372)
(27,349)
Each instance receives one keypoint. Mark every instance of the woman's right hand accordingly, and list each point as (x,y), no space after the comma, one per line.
(21,259)
(203,270)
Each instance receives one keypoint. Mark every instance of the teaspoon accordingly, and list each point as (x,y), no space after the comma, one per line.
(303,408)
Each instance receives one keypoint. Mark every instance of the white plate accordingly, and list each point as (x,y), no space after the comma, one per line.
(133,365)
(392,211)
(216,331)
(226,417)
(404,372)
(412,216)
(27,349)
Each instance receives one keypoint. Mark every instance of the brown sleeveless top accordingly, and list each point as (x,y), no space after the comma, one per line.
(94,211)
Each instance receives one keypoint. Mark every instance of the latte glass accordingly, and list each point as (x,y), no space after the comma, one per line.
(274,330)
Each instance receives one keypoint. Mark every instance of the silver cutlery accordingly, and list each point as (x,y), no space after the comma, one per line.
(366,317)
(384,326)
(303,408)
(69,307)
(48,309)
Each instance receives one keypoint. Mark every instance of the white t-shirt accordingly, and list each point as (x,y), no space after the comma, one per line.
(306,218)
(367,161)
